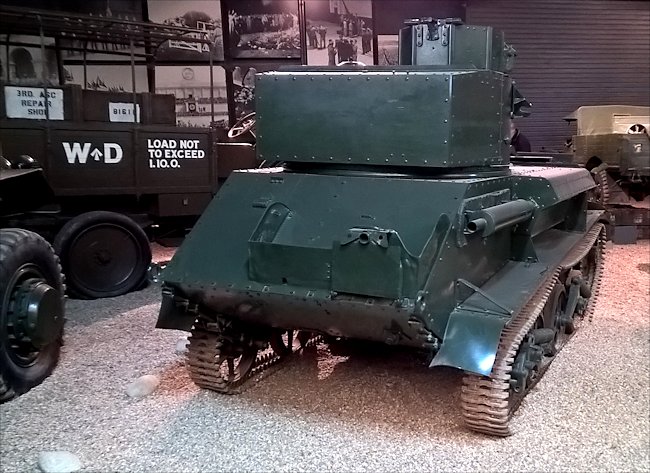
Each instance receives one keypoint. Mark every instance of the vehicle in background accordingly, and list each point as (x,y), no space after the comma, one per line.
(613,142)
(114,169)
(31,297)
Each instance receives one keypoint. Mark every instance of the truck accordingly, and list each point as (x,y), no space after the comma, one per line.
(612,142)
(31,291)
(118,170)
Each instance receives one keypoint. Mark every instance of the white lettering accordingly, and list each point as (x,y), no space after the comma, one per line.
(33,103)
(74,152)
(189,144)
(123,112)
(108,148)
(166,153)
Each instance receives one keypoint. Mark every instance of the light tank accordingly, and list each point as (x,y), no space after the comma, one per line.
(394,216)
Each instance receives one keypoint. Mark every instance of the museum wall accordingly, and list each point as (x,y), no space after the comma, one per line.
(569,53)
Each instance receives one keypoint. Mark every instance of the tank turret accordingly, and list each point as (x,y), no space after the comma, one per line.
(393,215)
(447,106)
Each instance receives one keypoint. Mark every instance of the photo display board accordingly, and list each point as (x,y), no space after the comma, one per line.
(339,31)
(114,52)
(263,29)
(25,64)
(390,16)
(115,78)
(190,84)
(203,15)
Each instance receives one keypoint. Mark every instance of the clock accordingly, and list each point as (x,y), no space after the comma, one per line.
(188,73)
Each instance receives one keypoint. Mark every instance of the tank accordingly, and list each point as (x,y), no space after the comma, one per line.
(612,141)
(394,216)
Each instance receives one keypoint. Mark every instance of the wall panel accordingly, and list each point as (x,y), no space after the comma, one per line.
(591,52)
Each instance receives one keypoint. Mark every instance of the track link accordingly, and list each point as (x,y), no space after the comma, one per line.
(488,403)
(210,350)
(602,184)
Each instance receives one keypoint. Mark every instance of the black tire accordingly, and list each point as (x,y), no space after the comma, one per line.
(104,254)
(30,277)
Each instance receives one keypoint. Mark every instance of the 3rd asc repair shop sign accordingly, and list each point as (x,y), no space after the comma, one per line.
(31,103)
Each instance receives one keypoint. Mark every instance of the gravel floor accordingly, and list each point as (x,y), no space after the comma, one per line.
(368,412)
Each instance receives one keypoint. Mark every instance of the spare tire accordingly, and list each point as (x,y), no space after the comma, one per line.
(31,311)
(104,254)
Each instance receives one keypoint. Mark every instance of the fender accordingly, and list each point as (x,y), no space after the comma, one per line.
(470,342)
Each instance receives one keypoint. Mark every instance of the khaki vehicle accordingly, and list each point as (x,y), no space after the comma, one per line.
(612,141)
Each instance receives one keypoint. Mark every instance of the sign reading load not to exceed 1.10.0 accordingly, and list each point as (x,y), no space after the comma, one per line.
(170,153)
(31,103)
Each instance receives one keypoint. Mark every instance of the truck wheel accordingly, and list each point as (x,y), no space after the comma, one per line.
(31,314)
(104,254)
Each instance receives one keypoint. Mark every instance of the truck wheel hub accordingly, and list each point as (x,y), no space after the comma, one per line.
(39,309)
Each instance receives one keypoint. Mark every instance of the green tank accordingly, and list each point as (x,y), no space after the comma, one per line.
(392,215)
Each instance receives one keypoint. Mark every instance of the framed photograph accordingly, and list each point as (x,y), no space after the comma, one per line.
(105,9)
(389,19)
(263,29)
(390,14)
(203,15)
(388,49)
(107,78)
(243,81)
(339,31)
(191,86)
(23,63)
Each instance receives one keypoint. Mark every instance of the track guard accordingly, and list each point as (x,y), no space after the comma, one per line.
(470,342)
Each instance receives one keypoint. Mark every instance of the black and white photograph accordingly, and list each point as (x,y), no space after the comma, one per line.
(191,87)
(263,29)
(339,31)
(387,49)
(126,10)
(243,80)
(390,16)
(23,62)
(114,78)
(202,15)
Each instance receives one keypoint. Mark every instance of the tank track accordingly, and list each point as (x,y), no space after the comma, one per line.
(488,403)
(213,341)
(603,186)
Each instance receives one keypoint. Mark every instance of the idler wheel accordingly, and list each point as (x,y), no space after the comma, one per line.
(221,355)
(235,369)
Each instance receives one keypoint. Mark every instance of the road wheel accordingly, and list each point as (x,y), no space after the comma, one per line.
(104,254)
(31,314)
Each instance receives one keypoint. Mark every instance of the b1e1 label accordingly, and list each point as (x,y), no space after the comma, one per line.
(169,153)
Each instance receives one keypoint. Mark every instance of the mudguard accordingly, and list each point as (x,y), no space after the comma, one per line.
(470,342)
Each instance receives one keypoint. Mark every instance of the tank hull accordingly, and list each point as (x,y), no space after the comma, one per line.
(340,255)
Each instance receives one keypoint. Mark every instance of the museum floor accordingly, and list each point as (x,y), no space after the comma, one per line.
(368,412)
